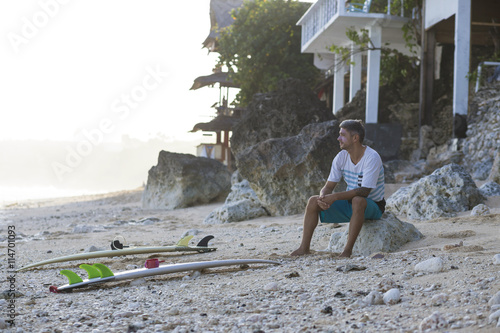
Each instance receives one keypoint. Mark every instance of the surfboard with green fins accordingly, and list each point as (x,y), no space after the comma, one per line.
(99,273)
(120,250)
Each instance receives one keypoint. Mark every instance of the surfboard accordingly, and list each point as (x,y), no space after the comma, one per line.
(99,273)
(181,246)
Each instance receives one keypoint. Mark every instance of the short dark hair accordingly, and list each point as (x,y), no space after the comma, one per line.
(354,126)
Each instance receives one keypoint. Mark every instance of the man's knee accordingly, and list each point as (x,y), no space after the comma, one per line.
(359,202)
(312,203)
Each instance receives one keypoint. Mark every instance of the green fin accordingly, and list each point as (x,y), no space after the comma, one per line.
(72,277)
(91,270)
(184,241)
(104,270)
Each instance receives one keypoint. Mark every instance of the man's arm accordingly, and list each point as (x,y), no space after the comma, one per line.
(347,195)
(327,189)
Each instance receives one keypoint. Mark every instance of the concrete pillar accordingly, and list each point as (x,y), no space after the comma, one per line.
(355,77)
(338,85)
(373,77)
(462,51)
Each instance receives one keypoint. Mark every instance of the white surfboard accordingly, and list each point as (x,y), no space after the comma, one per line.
(181,246)
(99,273)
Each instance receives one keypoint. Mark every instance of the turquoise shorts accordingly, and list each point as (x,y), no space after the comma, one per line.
(341,211)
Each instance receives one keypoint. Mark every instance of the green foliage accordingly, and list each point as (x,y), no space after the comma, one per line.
(262,47)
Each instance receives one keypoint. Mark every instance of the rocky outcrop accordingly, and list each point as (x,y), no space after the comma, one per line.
(241,204)
(445,192)
(183,180)
(385,235)
(483,135)
(490,189)
(278,114)
(285,172)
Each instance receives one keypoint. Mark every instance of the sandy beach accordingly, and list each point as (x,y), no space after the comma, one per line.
(313,293)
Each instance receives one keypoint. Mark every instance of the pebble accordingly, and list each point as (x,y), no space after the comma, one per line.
(494,300)
(435,321)
(272,286)
(392,296)
(496,259)
(439,299)
(433,265)
(480,210)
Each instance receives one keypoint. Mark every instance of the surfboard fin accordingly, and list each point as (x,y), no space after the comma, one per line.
(205,240)
(184,241)
(91,270)
(104,270)
(72,276)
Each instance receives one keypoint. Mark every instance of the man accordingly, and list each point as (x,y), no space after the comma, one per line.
(362,169)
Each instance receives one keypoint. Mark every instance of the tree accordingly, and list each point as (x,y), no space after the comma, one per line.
(262,47)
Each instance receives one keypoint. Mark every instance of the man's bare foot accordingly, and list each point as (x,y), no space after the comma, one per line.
(299,252)
(345,254)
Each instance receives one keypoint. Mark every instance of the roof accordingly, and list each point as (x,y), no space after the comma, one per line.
(220,17)
(219,123)
(219,77)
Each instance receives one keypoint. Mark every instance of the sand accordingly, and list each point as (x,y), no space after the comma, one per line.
(313,293)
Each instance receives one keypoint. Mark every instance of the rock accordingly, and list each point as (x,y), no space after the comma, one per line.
(494,317)
(490,189)
(385,235)
(279,114)
(442,194)
(439,299)
(433,265)
(494,175)
(392,296)
(495,299)
(434,322)
(183,180)
(480,210)
(271,286)
(400,171)
(496,259)
(241,204)
(285,172)
(93,248)
(374,298)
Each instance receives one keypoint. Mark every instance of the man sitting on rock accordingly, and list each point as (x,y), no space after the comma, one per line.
(362,169)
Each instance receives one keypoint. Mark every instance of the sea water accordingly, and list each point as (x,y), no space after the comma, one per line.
(9,194)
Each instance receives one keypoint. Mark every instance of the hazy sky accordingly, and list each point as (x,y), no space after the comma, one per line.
(72,69)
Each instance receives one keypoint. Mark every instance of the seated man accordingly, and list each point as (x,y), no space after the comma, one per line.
(362,169)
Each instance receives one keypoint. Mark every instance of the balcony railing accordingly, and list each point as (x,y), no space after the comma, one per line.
(321,12)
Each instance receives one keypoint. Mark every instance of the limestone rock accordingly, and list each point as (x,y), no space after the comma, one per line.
(495,169)
(401,171)
(490,189)
(279,114)
(385,235)
(480,210)
(433,265)
(241,204)
(285,172)
(445,192)
(184,180)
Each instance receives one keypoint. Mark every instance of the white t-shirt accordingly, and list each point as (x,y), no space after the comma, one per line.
(369,172)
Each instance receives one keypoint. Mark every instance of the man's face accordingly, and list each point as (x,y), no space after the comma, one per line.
(345,139)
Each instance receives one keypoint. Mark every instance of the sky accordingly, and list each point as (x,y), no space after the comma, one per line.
(71,68)
(94,73)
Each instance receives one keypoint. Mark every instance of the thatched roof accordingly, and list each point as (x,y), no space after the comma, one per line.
(220,17)
(221,77)
(219,123)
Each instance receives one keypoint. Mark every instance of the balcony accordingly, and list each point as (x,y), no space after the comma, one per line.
(326,22)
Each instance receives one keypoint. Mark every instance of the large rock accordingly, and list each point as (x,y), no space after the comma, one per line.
(241,204)
(285,172)
(445,192)
(385,235)
(183,180)
(278,114)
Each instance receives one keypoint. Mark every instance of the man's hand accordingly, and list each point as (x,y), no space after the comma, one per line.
(325,201)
